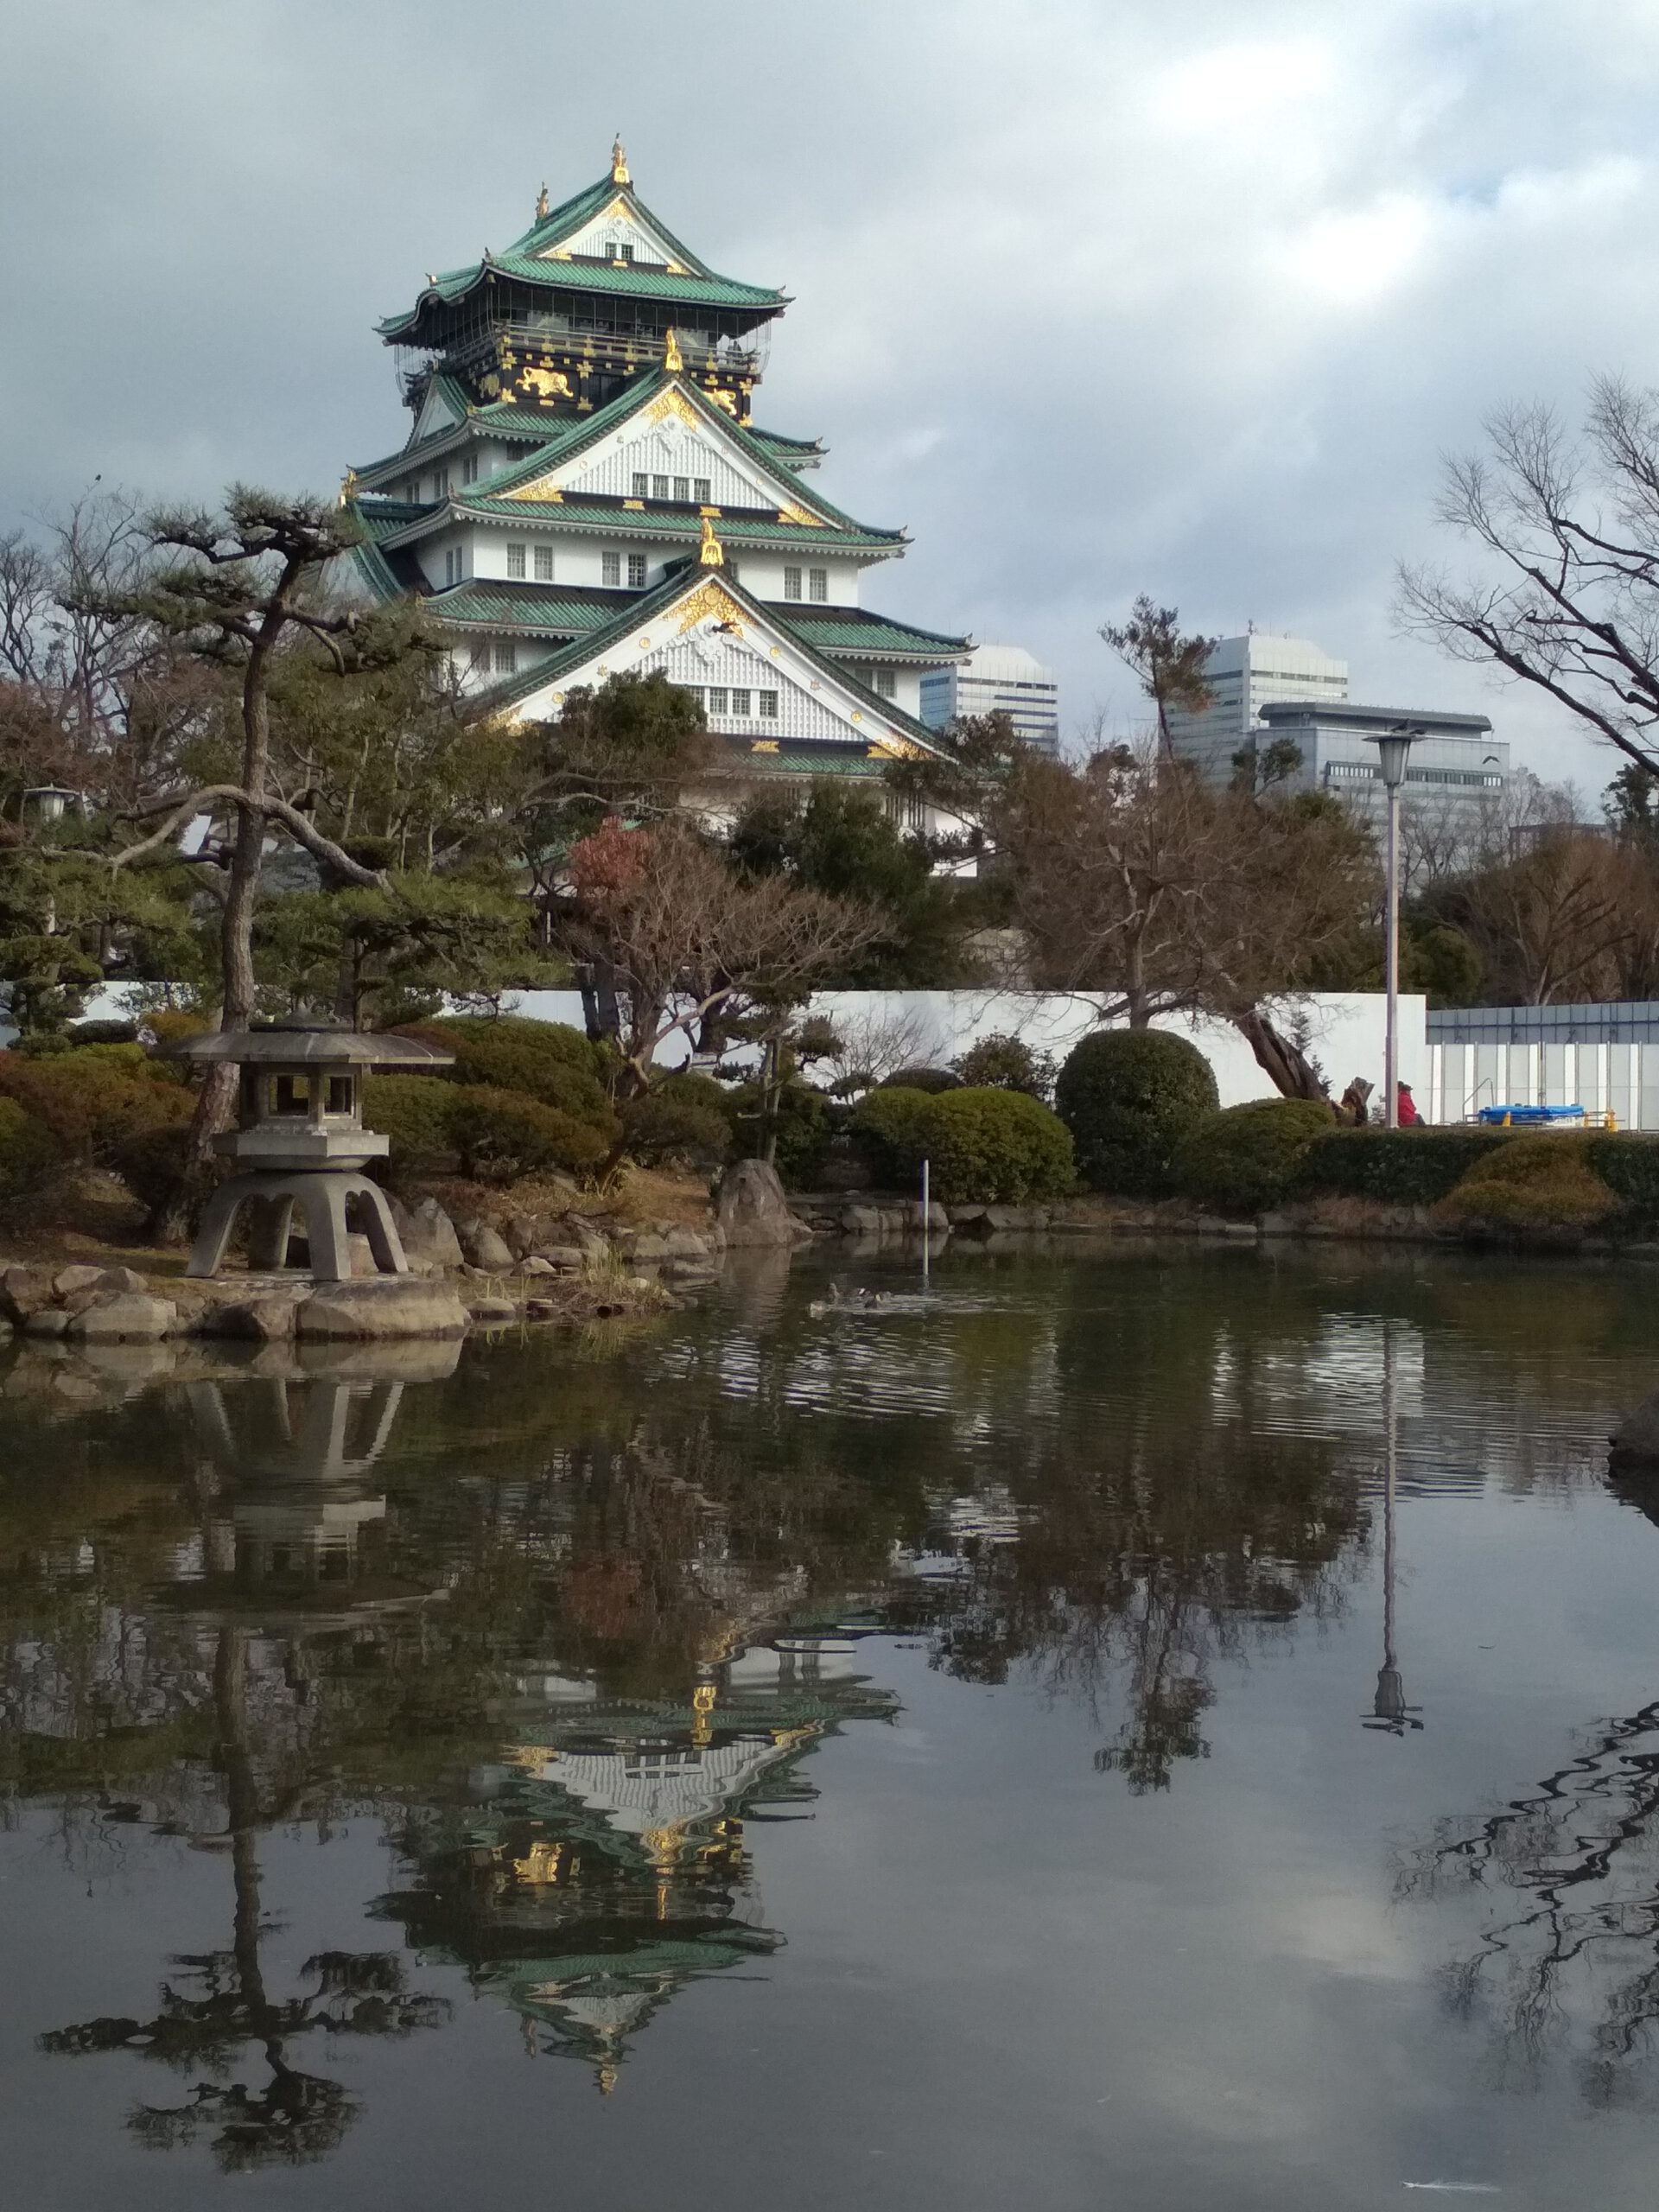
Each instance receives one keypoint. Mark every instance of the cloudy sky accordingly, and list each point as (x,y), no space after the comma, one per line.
(1095,296)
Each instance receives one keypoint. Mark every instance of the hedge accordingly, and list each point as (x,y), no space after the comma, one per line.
(682,1117)
(28,1154)
(886,1133)
(88,1107)
(1394,1167)
(418,1112)
(1130,1097)
(1534,1182)
(994,1144)
(545,1060)
(929,1079)
(501,1135)
(1628,1165)
(805,1130)
(1247,1158)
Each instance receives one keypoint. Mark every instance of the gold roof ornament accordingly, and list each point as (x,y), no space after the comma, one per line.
(541,203)
(711,554)
(347,488)
(673,361)
(620,161)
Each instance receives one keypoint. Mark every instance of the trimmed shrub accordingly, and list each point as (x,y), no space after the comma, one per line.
(418,1112)
(929,1079)
(1543,1182)
(89,1107)
(1001,1062)
(1129,1097)
(682,1117)
(805,1131)
(546,1060)
(886,1130)
(1394,1167)
(1245,1159)
(1628,1165)
(29,1158)
(994,1144)
(501,1135)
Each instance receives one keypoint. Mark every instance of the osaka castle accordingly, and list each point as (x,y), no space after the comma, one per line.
(584,492)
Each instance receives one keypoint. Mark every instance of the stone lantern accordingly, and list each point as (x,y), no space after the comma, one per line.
(301,1141)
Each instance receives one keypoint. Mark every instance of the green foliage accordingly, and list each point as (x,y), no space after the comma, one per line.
(151,1161)
(683,1117)
(501,1135)
(1129,1097)
(994,1144)
(886,1129)
(1440,961)
(27,1155)
(1245,1159)
(1628,1163)
(1543,1182)
(417,1112)
(1393,1168)
(843,843)
(89,1108)
(626,750)
(1001,1062)
(546,1060)
(929,1079)
(805,1129)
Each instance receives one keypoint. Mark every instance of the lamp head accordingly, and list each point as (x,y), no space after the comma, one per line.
(1392,746)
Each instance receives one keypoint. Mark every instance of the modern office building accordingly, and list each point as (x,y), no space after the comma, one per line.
(997,679)
(1456,764)
(1245,675)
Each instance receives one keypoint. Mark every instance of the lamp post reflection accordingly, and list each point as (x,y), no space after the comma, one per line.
(1389,1708)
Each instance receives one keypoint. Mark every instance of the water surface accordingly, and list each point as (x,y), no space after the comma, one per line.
(1157,1728)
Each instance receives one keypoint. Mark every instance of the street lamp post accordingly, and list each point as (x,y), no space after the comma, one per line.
(1392,748)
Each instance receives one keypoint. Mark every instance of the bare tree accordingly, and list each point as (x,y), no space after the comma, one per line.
(687,940)
(1132,876)
(1569,602)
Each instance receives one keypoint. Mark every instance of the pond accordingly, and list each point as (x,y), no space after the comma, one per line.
(1157,1727)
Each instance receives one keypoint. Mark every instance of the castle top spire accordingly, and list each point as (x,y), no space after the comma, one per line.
(620,161)
(541,203)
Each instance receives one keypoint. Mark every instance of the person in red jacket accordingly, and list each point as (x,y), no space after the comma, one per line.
(1408,1115)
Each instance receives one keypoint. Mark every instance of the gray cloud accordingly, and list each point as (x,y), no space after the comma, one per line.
(1095,298)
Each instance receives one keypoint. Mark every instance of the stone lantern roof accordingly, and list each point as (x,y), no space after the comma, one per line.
(309,1040)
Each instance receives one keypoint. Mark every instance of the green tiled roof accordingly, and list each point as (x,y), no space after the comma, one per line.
(546,610)
(640,394)
(630,522)
(857,631)
(643,607)
(385,518)
(701,285)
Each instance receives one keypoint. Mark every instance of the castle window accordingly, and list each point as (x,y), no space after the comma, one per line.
(441,485)
(693,691)
(716,698)
(882,682)
(624,253)
(739,702)
(412,492)
(543,564)
(451,565)
(660,487)
(515,560)
(506,657)
(469,469)
(766,703)
(641,485)
(636,572)
(818,582)
(791,584)
(700,490)
(682,487)
(480,660)
(610,569)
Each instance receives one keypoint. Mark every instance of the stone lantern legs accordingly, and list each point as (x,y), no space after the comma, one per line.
(320,1198)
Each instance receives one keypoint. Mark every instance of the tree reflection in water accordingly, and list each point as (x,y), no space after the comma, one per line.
(569,1625)
(1566,1966)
